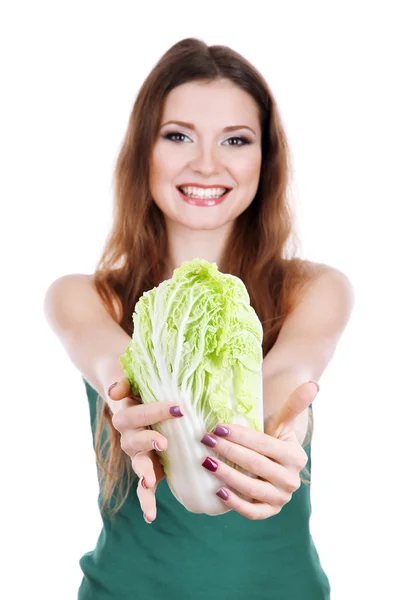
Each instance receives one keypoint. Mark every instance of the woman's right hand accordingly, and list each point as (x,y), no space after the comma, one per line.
(140,443)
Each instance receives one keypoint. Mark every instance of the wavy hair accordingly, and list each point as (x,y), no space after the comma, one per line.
(261,248)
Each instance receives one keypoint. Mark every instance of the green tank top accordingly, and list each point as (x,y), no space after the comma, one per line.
(189,556)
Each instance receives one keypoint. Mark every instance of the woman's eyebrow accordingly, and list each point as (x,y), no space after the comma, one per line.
(191,126)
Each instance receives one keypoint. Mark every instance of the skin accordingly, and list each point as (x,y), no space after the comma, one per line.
(277,461)
(205,155)
(208,156)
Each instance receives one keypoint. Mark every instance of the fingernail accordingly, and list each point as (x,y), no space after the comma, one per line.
(143,483)
(221,431)
(146,519)
(210,464)
(222,493)
(208,440)
(155,446)
(111,386)
(176,411)
(315,383)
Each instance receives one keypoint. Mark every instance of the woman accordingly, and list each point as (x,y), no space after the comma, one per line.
(203,172)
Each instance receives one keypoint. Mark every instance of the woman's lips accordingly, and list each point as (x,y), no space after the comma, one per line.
(203,201)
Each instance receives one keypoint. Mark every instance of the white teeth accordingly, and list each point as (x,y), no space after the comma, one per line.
(195,192)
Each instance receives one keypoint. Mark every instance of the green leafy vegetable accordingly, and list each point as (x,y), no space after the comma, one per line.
(197,342)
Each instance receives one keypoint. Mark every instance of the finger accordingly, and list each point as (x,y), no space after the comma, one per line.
(260,442)
(147,499)
(253,462)
(143,415)
(143,466)
(287,434)
(119,389)
(251,487)
(297,402)
(255,511)
(142,440)
(147,465)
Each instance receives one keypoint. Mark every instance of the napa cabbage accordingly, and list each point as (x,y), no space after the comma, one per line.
(197,341)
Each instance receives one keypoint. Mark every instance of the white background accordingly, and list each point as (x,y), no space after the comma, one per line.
(70,73)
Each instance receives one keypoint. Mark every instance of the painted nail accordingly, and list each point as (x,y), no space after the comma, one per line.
(146,519)
(111,386)
(176,411)
(315,383)
(222,493)
(208,440)
(143,483)
(210,464)
(221,431)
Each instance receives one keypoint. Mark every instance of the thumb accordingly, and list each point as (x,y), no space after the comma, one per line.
(287,434)
(119,389)
(297,402)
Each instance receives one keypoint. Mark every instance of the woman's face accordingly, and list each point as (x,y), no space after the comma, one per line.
(193,148)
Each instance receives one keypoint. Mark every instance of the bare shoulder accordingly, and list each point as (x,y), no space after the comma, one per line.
(324,304)
(70,285)
(71,301)
(68,301)
(326,278)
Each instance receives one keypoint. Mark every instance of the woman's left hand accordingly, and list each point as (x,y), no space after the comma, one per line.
(275,461)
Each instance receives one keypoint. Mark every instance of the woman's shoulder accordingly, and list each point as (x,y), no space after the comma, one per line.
(69,301)
(77,293)
(308,266)
(307,273)
(310,269)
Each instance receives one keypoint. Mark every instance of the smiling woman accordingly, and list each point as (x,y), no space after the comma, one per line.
(203,173)
(203,154)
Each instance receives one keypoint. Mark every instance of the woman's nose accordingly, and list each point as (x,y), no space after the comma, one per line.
(206,161)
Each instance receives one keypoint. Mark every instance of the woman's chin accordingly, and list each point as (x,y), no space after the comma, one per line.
(200,219)
(203,224)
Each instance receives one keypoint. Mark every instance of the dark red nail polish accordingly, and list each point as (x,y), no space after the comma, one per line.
(208,440)
(223,494)
(176,411)
(315,383)
(221,430)
(110,387)
(142,481)
(210,464)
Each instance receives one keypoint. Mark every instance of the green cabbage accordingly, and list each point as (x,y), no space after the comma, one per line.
(197,341)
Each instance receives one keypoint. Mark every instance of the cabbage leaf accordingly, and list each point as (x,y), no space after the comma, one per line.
(197,341)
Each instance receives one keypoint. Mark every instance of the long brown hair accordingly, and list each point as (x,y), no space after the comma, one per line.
(261,247)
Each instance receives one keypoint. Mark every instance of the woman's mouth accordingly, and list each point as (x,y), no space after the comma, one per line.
(203,196)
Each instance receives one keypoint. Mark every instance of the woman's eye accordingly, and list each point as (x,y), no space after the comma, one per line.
(169,136)
(236,141)
(243,141)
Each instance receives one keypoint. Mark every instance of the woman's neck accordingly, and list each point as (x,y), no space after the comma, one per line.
(186,244)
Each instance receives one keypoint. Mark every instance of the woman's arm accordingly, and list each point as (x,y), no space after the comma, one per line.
(306,343)
(92,339)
